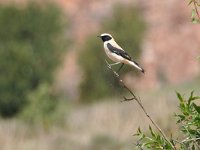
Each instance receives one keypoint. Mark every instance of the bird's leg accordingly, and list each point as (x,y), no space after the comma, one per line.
(114,64)
(120,67)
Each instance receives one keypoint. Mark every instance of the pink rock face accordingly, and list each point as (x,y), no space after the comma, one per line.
(170,46)
(173,39)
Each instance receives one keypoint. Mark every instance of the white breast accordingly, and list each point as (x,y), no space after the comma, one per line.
(114,57)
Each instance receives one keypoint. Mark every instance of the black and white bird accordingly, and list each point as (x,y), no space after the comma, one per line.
(116,53)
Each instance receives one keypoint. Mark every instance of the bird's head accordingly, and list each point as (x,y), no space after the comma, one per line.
(105,37)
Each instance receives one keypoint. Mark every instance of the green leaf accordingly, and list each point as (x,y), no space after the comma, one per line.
(183,108)
(158,138)
(193,13)
(143,136)
(179,97)
(191,98)
(193,147)
(197,108)
(191,131)
(152,133)
(182,105)
(195,98)
(194,20)
(139,130)
(181,118)
(197,119)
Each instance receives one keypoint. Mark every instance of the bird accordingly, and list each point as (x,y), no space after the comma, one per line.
(116,53)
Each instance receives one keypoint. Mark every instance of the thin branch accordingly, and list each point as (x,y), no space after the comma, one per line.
(195,5)
(193,139)
(137,99)
(196,9)
(187,140)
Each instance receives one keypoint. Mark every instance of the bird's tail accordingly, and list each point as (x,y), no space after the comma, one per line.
(136,65)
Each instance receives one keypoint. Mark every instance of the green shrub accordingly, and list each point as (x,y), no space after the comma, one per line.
(43,107)
(127,27)
(189,121)
(31,43)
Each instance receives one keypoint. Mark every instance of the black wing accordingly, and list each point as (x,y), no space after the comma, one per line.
(118,51)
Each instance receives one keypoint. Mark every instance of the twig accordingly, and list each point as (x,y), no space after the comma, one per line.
(196,5)
(196,9)
(194,140)
(134,97)
(138,145)
(187,140)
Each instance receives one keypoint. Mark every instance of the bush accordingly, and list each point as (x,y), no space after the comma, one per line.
(31,43)
(189,121)
(43,107)
(128,27)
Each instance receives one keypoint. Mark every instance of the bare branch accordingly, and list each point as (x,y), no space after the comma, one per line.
(195,4)
(137,99)
(187,140)
(196,9)
(194,140)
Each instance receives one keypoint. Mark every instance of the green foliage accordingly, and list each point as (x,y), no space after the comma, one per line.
(156,141)
(31,43)
(128,28)
(44,107)
(41,105)
(195,16)
(189,120)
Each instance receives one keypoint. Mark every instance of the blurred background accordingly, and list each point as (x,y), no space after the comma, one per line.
(56,91)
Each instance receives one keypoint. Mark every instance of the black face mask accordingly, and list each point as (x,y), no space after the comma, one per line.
(106,38)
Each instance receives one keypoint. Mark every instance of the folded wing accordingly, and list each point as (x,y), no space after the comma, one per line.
(119,52)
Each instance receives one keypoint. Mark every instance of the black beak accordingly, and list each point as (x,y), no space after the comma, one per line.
(99,36)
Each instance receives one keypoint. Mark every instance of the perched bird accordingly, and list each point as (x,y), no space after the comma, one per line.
(116,53)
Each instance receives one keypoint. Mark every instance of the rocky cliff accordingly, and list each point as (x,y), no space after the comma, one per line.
(170,47)
(171,44)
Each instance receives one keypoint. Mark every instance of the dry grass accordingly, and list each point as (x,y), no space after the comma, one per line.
(112,119)
(86,126)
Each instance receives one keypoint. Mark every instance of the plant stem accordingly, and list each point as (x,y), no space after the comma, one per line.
(196,9)
(134,97)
